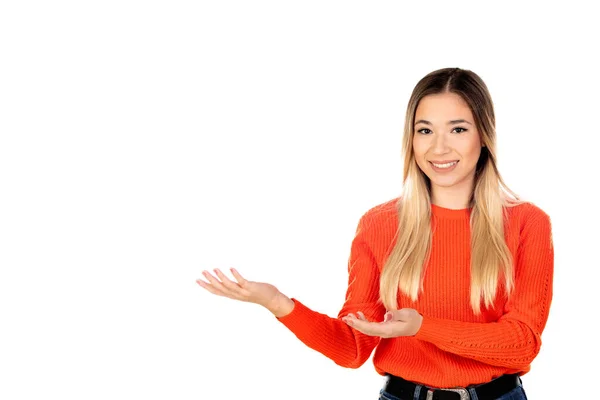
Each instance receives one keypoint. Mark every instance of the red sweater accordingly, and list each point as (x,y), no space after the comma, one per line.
(453,347)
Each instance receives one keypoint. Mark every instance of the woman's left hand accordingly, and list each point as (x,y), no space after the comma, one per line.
(404,322)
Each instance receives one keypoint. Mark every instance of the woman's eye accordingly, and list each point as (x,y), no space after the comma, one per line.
(426,131)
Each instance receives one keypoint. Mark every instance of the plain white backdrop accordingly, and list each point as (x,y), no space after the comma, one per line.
(143,142)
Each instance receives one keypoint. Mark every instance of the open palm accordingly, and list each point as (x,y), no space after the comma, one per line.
(260,293)
(404,322)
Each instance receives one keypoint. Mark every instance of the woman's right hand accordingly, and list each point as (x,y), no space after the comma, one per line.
(260,293)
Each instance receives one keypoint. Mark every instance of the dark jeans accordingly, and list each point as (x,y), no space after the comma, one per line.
(517,393)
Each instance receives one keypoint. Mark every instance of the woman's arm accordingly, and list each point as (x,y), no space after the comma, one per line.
(515,339)
(331,336)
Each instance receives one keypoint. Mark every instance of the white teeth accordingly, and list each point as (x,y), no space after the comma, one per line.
(445,165)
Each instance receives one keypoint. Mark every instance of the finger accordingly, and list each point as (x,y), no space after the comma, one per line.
(368,328)
(350,315)
(238,277)
(232,286)
(361,316)
(217,284)
(209,287)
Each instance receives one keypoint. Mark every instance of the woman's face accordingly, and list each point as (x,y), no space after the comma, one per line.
(445,131)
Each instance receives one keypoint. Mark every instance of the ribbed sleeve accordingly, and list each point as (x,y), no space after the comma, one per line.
(331,336)
(515,339)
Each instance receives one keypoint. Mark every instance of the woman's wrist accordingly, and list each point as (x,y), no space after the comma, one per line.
(281,305)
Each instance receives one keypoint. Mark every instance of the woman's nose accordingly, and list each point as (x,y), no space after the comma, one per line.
(440,144)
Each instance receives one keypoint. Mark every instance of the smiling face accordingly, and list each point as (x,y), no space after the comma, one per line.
(445,131)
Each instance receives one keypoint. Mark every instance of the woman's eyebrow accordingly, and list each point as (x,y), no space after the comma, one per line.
(454,121)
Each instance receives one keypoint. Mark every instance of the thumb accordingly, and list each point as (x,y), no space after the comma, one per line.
(398,315)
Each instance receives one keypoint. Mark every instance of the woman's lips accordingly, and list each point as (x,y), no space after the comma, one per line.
(442,170)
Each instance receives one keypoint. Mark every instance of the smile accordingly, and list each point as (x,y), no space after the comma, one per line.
(444,167)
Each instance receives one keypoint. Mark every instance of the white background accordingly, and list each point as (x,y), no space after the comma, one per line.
(143,142)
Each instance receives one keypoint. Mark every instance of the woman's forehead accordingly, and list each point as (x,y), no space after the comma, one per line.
(443,108)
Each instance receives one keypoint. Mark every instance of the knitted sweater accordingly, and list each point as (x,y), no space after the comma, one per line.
(453,347)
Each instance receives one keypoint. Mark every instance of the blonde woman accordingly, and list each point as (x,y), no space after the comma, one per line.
(451,282)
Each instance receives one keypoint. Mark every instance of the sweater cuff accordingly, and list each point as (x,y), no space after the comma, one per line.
(298,318)
(429,331)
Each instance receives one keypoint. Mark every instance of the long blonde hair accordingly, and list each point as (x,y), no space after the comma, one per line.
(490,256)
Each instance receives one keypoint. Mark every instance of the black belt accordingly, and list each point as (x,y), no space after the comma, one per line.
(404,389)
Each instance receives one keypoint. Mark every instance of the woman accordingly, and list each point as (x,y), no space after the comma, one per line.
(451,282)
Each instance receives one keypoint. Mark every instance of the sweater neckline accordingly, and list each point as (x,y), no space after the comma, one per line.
(442,212)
